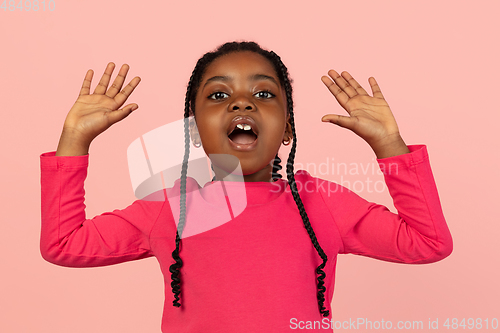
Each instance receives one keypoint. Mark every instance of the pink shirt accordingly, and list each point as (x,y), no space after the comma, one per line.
(256,272)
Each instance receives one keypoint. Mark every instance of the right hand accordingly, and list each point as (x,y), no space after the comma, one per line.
(93,114)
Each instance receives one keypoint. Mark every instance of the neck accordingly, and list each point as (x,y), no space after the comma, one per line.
(263,175)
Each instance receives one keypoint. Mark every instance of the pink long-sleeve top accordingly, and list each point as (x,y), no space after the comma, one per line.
(256,271)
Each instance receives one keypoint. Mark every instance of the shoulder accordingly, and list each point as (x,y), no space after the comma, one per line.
(307,184)
(303,176)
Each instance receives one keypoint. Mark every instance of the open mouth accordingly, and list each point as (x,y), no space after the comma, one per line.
(242,136)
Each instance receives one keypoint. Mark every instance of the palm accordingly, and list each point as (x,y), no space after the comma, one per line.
(369,117)
(93,114)
(88,115)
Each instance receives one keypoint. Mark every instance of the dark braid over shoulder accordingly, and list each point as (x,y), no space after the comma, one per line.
(189,110)
(296,197)
(175,268)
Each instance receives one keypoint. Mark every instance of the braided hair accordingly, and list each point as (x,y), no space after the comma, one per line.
(189,110)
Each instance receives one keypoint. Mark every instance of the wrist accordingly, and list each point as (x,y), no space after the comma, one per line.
(72,143)
(390,146)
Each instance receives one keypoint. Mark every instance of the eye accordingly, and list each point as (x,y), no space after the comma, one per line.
(218,95)
(264,94)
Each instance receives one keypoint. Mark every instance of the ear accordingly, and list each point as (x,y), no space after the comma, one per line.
(193,132)
(288,136)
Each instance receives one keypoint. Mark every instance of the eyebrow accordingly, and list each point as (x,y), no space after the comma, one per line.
(254,77)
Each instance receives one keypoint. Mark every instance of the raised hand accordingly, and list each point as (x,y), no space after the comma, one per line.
(369,117)
(93,113)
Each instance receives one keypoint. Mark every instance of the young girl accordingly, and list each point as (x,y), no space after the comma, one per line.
(272,267)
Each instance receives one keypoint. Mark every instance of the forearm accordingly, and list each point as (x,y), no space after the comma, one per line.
(417,234)
(424,232)
(62,203)
(69,239)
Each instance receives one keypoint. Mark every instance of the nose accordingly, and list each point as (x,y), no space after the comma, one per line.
(241,103)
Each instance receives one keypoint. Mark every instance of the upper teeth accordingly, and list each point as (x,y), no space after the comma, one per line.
(244,127)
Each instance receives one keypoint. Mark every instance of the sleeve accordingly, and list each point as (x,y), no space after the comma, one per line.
(69,239)
(418,234)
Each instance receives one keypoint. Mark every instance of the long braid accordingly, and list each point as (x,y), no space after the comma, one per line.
(296,196)
(189,109)
(175,268)
(307,224)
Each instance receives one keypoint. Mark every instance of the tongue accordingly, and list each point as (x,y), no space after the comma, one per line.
(242,138)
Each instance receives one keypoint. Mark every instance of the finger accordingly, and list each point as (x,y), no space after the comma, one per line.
(125,93)
(342,83)
(117,115)
(339,94)
(86,83)
(375,88)
(354,83)
(103,84)
(118,83)
(342,121)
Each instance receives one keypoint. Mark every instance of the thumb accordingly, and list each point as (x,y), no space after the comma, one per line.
(342,121)
(117,115)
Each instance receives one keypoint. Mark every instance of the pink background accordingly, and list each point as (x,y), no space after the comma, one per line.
(436,63)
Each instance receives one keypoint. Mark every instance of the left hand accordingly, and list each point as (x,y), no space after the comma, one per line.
(369,117)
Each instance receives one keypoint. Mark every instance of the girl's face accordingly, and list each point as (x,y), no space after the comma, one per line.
(243,84)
